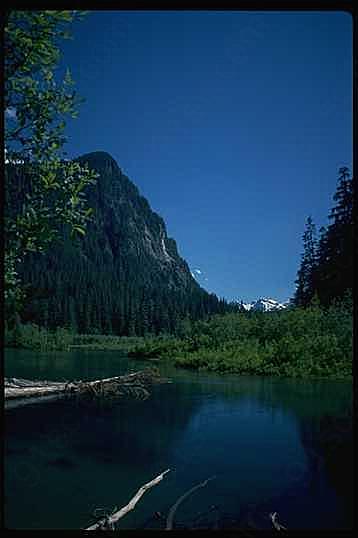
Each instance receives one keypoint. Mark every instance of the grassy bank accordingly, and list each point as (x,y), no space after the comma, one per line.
(30,336)
(311,342)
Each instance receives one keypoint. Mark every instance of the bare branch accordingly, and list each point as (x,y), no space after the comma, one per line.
(107,523)
(275,523)
(175,506)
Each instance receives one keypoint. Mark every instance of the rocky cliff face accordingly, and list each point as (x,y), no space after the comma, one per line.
(127,224)
(125,275)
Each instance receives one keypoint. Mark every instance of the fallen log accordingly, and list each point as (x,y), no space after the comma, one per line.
(24,391)
(108,522)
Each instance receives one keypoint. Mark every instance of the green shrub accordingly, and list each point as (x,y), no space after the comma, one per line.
(295,343)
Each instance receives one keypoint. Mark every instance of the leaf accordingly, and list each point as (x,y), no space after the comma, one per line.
(80,230)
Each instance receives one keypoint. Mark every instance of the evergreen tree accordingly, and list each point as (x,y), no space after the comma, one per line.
(335,253)
(306,274)
(326,269)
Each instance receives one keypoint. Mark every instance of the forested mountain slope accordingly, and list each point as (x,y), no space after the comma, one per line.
(124,276)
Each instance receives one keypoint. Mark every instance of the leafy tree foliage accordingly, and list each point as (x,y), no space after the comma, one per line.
(47,188)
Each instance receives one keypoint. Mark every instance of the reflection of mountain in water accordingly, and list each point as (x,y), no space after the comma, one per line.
(106,434)
(97,456)
(157,428)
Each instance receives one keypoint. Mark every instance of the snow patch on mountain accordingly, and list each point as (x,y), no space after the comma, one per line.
(265,304)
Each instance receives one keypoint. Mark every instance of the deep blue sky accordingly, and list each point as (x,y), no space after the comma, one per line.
(233,125)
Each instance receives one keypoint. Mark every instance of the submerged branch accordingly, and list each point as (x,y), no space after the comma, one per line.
(108,522)
(175,506)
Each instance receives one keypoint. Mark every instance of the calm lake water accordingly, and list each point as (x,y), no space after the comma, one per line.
(273,445)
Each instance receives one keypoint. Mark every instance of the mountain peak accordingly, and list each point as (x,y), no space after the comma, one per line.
(100,160)
(101,155)
(265,304)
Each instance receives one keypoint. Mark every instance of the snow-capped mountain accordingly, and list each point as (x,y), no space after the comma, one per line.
(265,305)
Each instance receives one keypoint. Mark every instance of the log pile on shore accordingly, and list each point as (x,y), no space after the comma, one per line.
(24,391)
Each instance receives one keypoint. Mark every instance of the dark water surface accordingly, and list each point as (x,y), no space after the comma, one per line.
(273,445)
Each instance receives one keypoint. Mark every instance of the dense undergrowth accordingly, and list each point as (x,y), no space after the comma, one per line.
(298,342)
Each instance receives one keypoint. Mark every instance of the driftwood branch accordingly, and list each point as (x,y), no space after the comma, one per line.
(22,391)
(108,522)
(275,523)
(170,518)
